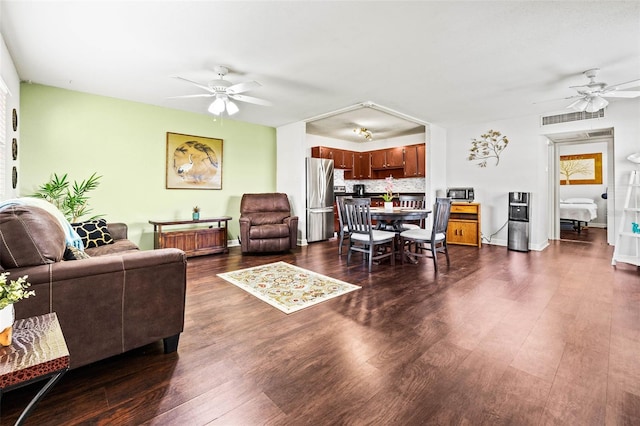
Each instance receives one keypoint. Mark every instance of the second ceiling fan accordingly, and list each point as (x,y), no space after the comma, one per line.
(591,96)
(225,93)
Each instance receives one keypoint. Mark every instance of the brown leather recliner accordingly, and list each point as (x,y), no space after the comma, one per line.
(266,223)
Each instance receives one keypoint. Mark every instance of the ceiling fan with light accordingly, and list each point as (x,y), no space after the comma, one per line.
(225,93)
(591,96)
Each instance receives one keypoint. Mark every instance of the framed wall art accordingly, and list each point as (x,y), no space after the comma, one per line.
(581,169)
(193,162)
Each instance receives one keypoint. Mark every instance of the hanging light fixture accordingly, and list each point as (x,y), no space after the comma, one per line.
(589,104)
(365,133)
(221,104)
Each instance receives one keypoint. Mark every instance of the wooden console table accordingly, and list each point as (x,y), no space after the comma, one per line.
(37,351)
(196,241)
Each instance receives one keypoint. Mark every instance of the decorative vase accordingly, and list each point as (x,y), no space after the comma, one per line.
(388,206)
(196,215)
(7,316)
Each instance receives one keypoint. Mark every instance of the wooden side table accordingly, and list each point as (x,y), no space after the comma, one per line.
(38,351)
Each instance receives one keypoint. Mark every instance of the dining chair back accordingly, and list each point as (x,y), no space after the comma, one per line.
(344,233)
(412,202)
(372,243)
(429,242)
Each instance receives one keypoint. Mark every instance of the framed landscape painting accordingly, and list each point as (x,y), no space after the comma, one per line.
(581,169)
(193,162)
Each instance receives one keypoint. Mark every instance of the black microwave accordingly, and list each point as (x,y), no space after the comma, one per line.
(460,194)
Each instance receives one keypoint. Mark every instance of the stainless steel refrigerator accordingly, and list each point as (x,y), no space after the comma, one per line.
(319,199)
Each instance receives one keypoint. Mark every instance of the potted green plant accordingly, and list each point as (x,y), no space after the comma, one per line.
(71,200)
(10,293)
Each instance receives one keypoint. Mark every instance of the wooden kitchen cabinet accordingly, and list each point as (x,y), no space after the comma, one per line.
(414,160)
(361,166)
(342,159)
(322,152)
(464,224)
(390,158)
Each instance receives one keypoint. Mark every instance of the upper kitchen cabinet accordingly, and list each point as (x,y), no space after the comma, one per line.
(390,158)
(361,166)
(342,159)
(322,152)
(414,160)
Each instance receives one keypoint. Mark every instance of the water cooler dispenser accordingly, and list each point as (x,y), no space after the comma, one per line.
(519,210)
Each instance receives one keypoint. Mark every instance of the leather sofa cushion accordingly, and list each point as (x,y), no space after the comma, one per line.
(29,236)
(268,217)
(269,231)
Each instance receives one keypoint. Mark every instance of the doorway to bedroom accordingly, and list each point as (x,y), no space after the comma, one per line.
(581,169)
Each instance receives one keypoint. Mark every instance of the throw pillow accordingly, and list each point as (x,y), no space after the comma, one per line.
(94,233)
(74,253)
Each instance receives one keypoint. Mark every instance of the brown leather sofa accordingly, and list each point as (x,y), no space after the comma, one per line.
(266,223)
(119,299)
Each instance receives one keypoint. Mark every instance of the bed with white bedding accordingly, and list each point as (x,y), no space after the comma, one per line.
(578,211)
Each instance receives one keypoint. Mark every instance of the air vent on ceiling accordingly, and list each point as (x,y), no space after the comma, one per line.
(571,116)
(600,133)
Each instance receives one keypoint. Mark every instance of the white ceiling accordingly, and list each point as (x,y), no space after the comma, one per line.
(445,63)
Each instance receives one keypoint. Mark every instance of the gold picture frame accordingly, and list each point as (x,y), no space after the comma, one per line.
(193,162)
(581,169)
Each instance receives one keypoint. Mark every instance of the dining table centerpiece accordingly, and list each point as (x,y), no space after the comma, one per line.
(11,291)
(388,194)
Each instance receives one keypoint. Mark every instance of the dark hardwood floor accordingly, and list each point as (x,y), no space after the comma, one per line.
(500,337)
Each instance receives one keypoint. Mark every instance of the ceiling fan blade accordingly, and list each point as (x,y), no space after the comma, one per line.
(557,99)
(627,85)
(201,95)
(195,83)
(250,99)
(243,87)
(621,94)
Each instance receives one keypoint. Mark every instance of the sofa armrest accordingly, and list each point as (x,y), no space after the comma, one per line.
(292,222)
(245,225)
(118,230)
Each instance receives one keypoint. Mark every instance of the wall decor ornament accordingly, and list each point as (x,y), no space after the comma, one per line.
(14,149)
(490,145)
(14,177)
(14,117)
(581,169)
(193,162)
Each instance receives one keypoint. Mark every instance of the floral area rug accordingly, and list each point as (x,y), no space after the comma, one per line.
(287,287)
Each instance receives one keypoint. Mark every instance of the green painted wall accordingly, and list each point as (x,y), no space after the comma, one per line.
(63,131)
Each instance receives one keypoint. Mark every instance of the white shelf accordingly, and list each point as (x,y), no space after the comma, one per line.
(631,240)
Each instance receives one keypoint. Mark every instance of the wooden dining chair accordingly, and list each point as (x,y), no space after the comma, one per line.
(412,202)
(372,243)
(344,233)
(428,242)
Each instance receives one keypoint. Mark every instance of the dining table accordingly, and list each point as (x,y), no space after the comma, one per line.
(393,219)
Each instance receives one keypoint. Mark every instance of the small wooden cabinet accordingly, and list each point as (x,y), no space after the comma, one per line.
(196,241)
(464,224)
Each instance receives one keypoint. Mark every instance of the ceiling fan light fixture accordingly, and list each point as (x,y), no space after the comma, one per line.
(217,107)
(579,105)
(232,108)
(596,103)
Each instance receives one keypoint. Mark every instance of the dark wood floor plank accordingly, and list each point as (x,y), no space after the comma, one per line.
(497,338)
